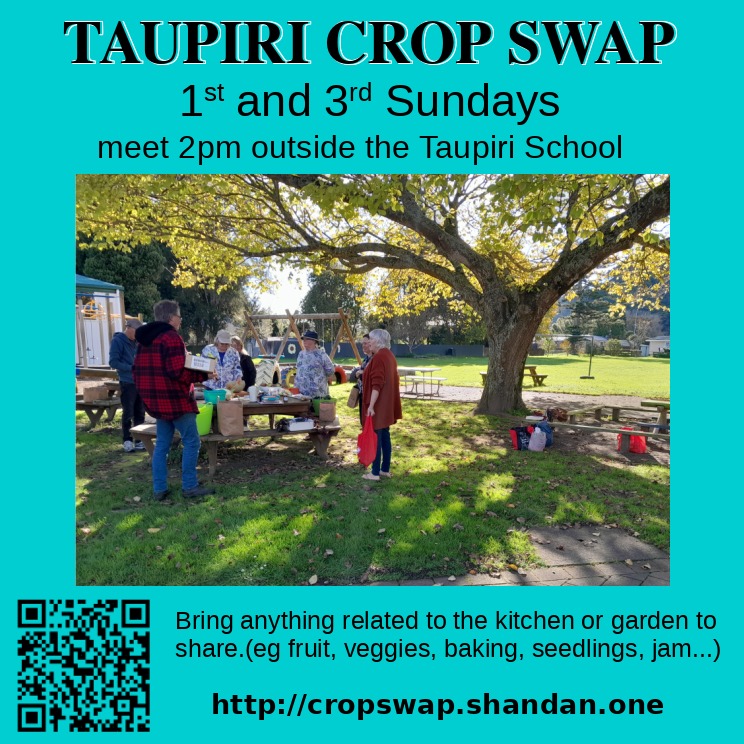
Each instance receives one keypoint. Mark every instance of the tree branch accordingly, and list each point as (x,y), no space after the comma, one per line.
(616,234)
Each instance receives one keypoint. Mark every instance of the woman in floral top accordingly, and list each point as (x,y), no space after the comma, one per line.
(228,361)
(314,367)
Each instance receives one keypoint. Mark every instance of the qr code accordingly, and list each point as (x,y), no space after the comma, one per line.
(84,666)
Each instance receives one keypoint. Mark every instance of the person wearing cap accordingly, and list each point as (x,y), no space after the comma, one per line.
(228,361)
(121,358)
(314,367)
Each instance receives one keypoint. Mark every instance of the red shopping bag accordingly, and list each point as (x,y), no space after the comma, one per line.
(637,442)
(367,443)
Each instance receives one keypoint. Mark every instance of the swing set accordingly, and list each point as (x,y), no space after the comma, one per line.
(344,333)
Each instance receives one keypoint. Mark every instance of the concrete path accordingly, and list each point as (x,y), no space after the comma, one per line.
(574,556)
(533,397)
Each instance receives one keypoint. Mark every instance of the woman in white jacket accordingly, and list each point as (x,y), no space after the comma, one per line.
(228,361)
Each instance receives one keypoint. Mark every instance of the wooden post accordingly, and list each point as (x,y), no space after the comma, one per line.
(212,455)
(122,312)
(337,341)
(80,334)
(347,329)
(249,322)
(293,327)
(285,338)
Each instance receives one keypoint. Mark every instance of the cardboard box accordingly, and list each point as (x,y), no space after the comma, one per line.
(301,424)
(92,393)
(200,363)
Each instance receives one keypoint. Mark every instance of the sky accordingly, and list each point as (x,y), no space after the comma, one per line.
(289,295)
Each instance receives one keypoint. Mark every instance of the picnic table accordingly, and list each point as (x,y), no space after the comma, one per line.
(663,408)
(421,378)
(95,409)
(320,436)
(529,369)
(95,373)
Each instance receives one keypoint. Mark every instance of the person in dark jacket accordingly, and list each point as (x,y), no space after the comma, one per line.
(121,358)
(246,363)
(166,388)
(357,373)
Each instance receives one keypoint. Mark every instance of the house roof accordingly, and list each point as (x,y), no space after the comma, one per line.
(588,337)
(87,284)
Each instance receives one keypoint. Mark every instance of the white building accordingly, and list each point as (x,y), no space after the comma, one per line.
(655,345)
(99,313)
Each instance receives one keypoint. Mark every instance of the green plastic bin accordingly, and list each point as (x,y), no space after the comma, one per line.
(318,401)
(204,419)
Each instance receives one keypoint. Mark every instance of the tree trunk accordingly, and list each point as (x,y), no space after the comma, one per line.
(510,329)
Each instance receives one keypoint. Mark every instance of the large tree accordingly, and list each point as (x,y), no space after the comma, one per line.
(506,245)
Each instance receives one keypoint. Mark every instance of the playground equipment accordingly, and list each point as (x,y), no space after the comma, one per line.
(344,332)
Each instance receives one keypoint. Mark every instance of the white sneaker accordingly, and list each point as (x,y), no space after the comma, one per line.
(139,446)
(128,446)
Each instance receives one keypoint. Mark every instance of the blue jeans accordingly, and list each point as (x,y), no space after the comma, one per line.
(186,426)
(384,452)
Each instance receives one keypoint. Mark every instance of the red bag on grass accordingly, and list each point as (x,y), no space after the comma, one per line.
(637,442)
(520,437)
(367,443)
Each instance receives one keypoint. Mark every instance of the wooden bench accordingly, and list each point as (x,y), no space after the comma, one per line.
(531,370)
(95,409)
(651,426)
(537,380)
(663,408)
(598,411)
(416,381)
(320,437)
(625,434)
(574,414)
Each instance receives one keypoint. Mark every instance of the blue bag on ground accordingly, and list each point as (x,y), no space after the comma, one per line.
(546,427)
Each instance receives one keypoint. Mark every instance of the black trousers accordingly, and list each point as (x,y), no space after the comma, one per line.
(132,409)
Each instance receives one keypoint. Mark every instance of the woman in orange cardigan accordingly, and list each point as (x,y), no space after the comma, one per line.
(381,399)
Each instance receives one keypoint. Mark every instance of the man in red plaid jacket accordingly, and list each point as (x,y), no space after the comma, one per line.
(166,388)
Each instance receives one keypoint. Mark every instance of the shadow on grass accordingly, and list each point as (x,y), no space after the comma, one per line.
(460,500)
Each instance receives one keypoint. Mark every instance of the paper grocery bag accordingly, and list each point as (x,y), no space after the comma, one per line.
(230,418)
(327,412)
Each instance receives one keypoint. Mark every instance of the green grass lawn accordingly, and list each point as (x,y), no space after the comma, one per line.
(460,501)
(647,377)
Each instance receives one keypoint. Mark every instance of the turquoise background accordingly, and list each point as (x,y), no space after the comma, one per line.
(680,117)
